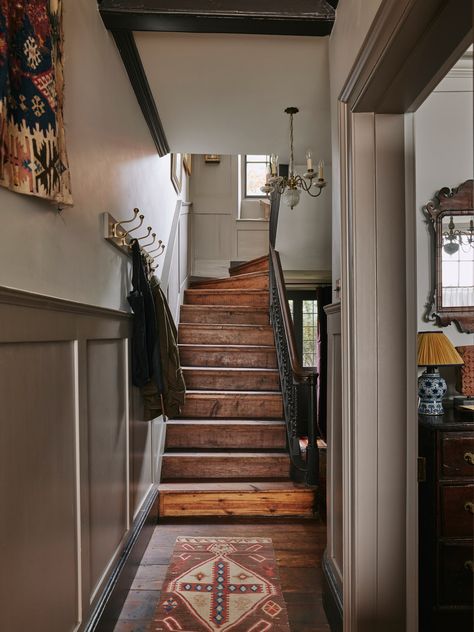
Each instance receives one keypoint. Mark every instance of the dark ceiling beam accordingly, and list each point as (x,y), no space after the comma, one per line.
(306,17)
(133,65)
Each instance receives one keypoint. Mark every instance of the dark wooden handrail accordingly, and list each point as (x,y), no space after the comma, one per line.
(300,373)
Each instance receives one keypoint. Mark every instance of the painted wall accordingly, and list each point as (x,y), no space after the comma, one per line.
(444,158)
(353,20)
(114,167)
(218,235)
(226,93)
(304,233)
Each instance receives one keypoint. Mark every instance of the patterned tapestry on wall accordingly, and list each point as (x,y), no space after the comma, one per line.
(33,157)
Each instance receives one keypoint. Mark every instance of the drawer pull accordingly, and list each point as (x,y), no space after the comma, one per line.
(469,507)
(469,566)
(469,458)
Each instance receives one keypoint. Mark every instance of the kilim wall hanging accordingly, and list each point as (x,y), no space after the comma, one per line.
(33,157)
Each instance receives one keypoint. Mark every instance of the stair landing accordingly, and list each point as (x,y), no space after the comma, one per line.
(226,455)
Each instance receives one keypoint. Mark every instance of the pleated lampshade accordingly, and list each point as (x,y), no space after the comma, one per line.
(435,349)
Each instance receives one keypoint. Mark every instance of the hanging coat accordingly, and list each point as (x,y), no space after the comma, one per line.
(146,365)
(174,388)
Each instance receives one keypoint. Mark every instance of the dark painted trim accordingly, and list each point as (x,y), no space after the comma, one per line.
(115,20)
(131,59)
(396,78)
(332,596)
(12,296)
(271,18)
(109,605)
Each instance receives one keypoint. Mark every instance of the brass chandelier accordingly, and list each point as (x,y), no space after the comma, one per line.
(454,238)
(290,187)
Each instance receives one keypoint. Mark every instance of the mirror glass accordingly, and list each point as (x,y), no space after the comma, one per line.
(457,261)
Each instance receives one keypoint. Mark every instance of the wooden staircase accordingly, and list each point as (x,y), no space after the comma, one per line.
(227,454)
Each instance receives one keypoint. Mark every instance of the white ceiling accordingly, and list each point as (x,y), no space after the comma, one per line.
(226,94)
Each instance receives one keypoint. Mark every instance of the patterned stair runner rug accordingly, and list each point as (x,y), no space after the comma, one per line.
(228,584)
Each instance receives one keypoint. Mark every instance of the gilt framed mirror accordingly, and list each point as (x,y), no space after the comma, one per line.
(451,216)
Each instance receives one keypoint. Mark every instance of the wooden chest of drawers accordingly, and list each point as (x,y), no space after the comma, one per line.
(446,522)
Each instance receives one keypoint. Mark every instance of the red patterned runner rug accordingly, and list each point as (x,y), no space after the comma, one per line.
(227,584)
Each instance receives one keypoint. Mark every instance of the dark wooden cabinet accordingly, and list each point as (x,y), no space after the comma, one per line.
(446,522)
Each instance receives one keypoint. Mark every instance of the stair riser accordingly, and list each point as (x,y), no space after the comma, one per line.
(225,436)
(258,265)
(226,297)
(233,407)
(216,467)
(237,504)
(253,283)
(228,335)
(214,315)
(231,380)
(259,359)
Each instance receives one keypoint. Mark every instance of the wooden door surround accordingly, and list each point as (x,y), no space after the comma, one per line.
(410,46)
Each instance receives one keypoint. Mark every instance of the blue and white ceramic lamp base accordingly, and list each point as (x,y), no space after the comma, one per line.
(431,390)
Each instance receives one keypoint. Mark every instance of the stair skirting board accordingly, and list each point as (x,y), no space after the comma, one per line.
(107,609)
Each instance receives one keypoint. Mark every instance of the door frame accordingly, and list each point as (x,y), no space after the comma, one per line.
(408,49)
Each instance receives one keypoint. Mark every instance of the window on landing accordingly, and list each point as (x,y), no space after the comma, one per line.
(304,311)
(255,174)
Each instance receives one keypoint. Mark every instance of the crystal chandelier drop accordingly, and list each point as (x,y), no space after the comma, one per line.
(454,238)
(290,187)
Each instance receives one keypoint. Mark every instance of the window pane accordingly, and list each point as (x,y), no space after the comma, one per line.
(256,176)
(310,332)
(258,158)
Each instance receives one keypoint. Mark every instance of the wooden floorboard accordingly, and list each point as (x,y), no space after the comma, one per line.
(298,544)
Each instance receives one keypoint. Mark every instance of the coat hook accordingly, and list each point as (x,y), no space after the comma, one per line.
(151,242)
(162,248)
(124,221)
(127,233)
(162,251)
(137,239)
(160,245)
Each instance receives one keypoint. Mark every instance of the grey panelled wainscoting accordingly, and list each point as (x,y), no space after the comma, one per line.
(332,561)
(76,459)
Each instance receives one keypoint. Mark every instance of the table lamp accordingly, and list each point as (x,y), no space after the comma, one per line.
(434,350)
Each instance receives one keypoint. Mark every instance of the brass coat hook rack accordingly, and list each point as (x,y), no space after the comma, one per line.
(122,238)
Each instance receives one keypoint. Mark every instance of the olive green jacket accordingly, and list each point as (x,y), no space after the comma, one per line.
(173,380)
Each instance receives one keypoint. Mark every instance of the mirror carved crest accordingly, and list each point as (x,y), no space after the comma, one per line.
(451,217)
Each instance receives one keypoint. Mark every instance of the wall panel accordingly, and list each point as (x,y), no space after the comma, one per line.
(107,418)
(38,535)
(252,243)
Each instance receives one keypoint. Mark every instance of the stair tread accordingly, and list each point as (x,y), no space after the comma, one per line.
(250,486)
(227,454)
(226,326)
(236,369)
(233,422)
(236,308)
(223,306)
(245,275)
(222,346)
(228,394)
(234,270)
(228,290)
